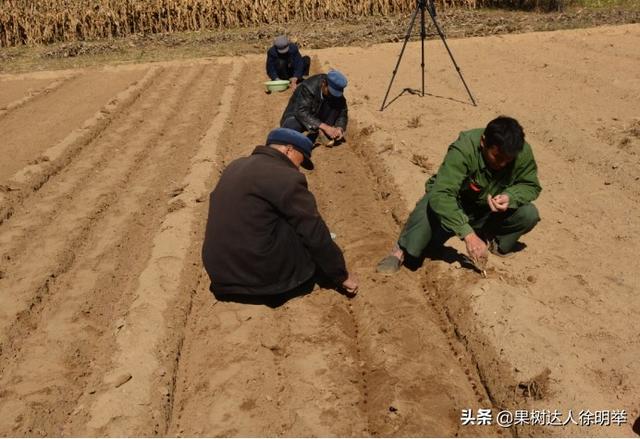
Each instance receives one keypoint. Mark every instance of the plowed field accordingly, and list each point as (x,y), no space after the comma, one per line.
(107,326)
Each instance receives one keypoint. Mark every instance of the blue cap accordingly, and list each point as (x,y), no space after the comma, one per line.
(282,43)
(286,136)
(336,82)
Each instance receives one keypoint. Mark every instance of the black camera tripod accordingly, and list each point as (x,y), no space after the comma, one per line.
(422,6)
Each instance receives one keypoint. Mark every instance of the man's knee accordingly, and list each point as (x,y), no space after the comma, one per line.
(527,216)
(306,61)
(292,123)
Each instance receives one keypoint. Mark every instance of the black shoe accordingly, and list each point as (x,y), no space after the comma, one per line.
(495,250)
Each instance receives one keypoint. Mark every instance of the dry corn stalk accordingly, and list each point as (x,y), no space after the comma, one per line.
(49,21)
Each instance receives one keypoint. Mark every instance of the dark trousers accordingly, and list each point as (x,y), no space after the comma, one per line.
(424,229)
(285,69)
(276,300)
(326,114)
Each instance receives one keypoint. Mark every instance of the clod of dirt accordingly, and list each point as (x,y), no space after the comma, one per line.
(634,129)
(176,191)
(39,160)
(414,122)
(367,131)
(421,161)
(177,205)
(385,148)
(5,188)
(480,264)
(121,379)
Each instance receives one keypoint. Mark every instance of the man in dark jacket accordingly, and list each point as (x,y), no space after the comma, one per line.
(264,233)
(318,105)
(482,193)
(284,61)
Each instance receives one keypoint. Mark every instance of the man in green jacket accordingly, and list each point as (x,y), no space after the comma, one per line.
(482,193)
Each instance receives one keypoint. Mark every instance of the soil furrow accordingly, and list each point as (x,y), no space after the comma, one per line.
(74,208)
(286,354)
(71,208)
(216,330)
(102,265)
(400,342)
(147,346)
(56,115)
(33,96)
(377,357)
(29,179)
(70,181)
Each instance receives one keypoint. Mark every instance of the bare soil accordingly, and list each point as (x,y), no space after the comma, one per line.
(107,326)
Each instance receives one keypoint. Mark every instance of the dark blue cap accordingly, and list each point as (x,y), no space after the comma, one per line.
(336,82)
(286,136)
(282,43)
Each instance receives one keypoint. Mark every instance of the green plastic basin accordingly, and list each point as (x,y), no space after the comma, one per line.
(278,85)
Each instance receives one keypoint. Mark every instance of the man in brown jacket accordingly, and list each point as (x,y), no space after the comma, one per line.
(264,233)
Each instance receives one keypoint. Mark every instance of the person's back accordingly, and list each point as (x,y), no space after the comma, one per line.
(318,104)
(284,61)
(306,99)
(246,234)
(264,234)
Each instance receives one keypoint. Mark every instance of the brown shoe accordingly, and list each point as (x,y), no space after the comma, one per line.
(389,265)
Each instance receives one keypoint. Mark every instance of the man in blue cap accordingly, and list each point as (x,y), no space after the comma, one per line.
(318,104)
(284,61)
(264,235)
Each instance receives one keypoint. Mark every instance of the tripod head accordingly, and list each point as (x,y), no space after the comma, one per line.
(428,5)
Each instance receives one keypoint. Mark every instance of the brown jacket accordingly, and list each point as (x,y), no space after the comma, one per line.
(264,233)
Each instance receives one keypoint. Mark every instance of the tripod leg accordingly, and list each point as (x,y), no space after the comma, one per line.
(404,45)
(423,35)
(433,18)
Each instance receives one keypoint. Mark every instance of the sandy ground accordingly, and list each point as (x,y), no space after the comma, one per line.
(107,326)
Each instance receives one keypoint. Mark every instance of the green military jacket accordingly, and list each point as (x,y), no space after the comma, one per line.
(459,190)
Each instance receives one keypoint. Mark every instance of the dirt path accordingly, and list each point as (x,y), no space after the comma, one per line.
(107,326)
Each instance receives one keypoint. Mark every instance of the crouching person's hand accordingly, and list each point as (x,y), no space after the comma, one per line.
(476,248)
(350,286)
